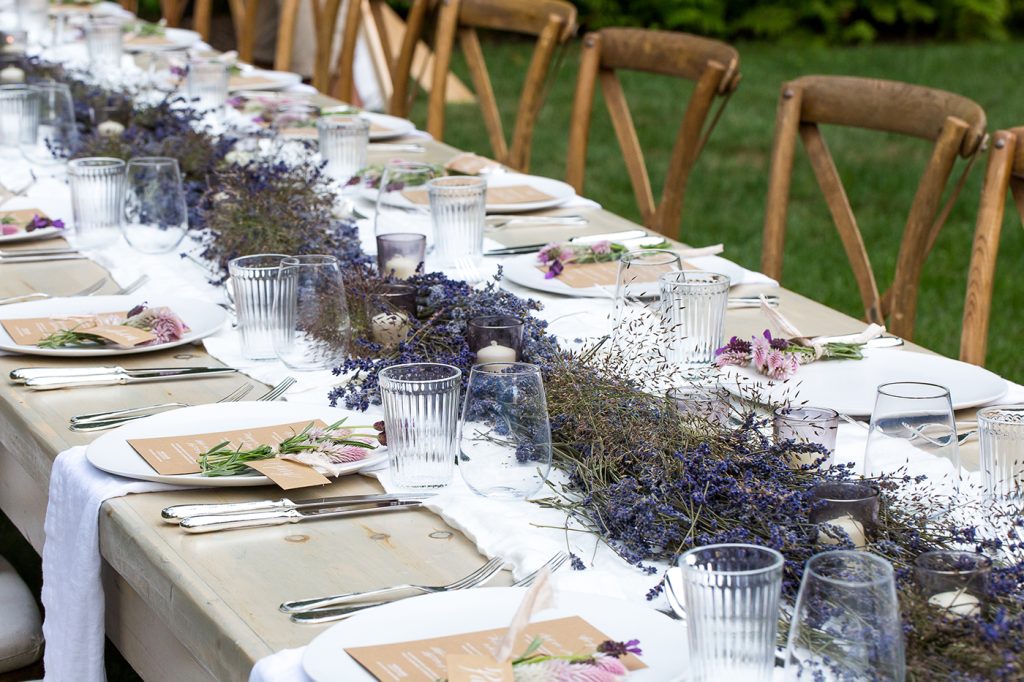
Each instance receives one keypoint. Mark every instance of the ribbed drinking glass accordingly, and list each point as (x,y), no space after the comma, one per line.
(846,625)
(421,415)
(343,143)
(103,37)
(97,192)
(254,281)
(51,137)
(207,83)
(505,437)
(18,113)
(1001,436)
(155,212)
(312,313)
(457,213)
(732,609)
(693,315)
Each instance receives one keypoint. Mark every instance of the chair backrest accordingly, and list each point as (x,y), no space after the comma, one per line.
(341,83)
(173,11)
(955,124)
(713,65)
(1004,171)
(553,22)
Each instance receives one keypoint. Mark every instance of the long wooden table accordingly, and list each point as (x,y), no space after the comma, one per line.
(204,607)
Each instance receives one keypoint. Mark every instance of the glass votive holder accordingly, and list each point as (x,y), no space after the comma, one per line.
(255,284)
(389,311)
(399,254)
(97,195)
(1001,441)
(457,211)
(812,425)
(693,307)
(343,144)
(495,338)
(19,109)
(421,415)
(207,83)
(700,400)
(844,507)
(13,42)
(103,38)
(953,581)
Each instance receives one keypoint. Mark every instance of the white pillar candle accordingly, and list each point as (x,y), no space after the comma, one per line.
(110,129)
(495,353)
(389,329)
(850,525)
(401,267)
(12,75)
(956,603)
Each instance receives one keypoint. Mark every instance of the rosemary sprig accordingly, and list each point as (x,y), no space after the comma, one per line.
(70,337)
(223,460)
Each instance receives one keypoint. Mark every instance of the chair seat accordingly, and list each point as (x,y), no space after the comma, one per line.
(21,631)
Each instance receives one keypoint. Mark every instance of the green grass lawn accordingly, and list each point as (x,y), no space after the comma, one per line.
(726,196)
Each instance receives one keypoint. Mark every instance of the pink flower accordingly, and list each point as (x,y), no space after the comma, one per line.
(760,347)
(779,365)
(167,326)
(6,229)
(601,248)
(547,254)
(566,254)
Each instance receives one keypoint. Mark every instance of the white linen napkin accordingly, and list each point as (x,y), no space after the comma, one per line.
(283,666)
(72,590)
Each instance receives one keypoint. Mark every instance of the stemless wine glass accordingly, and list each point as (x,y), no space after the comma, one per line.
(912,426)
(312,313)
(402,201)
(155,212)
(846,625)
(18,107)
(505,438)
(50,140)
(732,609)
(636,291)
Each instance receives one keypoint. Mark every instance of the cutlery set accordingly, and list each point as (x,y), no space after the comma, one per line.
(91,290)
(47,378)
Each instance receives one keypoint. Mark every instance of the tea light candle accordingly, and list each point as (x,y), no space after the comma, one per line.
(389,329)
(956,603)
(853,528)
(495,353)
(12,75)
(401,267)
(110,129)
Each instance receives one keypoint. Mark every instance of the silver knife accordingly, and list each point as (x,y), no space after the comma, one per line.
(37,252)
(41,258)
(583,239)
(395,147)
(182,511)
(24,374)
(133,376)
(208,523)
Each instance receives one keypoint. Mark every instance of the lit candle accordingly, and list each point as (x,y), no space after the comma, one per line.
(110,129)
(956,603)
(401,267)
(11,75)
(495,353)
(389,329)
(851,526)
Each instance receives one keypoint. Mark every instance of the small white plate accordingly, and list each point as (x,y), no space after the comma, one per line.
(202,317)
(34,235)
(274,80)
(559,192)
(850,386)
(177,39)
(389,126)
(112,453)
(662,639)
(523,270)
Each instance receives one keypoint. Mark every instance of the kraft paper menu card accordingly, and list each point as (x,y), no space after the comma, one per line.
(31,330)
(469,163)
(172,455)
(22,216)
(512,194)
(426,660)
(586,275)
(148,40)
(243,82)
(289,475)
(311,131)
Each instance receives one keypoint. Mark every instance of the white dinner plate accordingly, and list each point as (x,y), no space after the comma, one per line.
(112,453)
(203,319)
(523,270)
(34,235)
(177,39)
(662,640)
(559,192)
(274,80)
(850,386)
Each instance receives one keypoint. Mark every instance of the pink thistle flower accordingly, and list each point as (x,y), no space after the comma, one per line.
(601,248)
(566,254)
(7,229)
(547,254)
(779,365)
(735,352)
(342,454)
(167,325)
(759,349)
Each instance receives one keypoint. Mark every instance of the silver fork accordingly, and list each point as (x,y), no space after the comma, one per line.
(300,606)
(98,421)
(552,564)
(131,288)
(88,291)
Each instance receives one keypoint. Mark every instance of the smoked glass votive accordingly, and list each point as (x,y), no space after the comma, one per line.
(845,510)
(399,254)
(955,582)
(811,425)
(495,338)
(389,311)
(701,400)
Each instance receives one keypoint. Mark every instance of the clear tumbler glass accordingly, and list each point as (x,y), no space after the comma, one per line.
(1001,435)
(103,37)
(254,281)
(732,609)
(97,192)
(421,414)
(343,144)
(207,83)
(54,133)
(155,212)
(457,212)
(693,315)
(18,113)
(312,313)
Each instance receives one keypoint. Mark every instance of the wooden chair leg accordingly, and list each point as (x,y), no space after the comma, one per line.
(201,18)
(787,123)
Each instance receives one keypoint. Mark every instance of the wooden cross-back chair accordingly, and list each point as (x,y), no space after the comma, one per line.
(173,11)
(1003,171)
(341,83)
(553,22)
(955,124)
(713,65)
